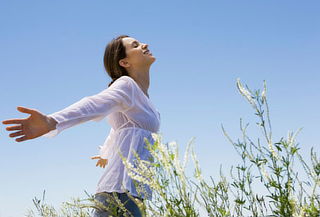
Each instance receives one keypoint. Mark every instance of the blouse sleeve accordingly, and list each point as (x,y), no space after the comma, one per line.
(118,97)
(104,149)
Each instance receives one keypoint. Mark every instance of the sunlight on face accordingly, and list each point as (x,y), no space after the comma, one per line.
(137,53)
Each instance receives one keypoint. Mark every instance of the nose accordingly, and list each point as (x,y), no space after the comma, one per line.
(145,46)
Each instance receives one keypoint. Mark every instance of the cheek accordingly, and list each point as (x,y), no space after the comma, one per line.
(136,56)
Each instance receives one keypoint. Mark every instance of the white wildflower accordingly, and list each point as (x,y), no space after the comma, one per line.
(177,166)
(246,94)
(273,152)
(264,92)
(156,136)
(186,154)
(264,173)
(197,174)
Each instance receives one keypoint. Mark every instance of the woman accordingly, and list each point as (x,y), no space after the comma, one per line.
(130,113)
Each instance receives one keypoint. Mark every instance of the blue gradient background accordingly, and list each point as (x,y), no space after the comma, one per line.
(51,56)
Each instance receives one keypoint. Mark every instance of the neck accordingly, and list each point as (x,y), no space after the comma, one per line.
(142,78)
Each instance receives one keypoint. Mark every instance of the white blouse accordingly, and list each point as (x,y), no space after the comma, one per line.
(132,117)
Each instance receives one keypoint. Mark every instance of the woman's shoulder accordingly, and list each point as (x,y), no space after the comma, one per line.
(126,78)
(123,80)
(124,83)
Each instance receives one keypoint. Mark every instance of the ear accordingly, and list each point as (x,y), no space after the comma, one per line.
(124,63)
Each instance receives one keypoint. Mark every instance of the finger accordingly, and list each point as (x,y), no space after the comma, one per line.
(20,139)
(103,163)
(13,121)
(97,164)
(26,110)
(19,133)
(16,127)
(95,157)
(100,163)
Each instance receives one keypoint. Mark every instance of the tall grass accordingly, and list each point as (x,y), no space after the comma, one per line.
(267,163)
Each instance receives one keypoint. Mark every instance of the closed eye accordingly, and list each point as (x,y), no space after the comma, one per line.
(135,44)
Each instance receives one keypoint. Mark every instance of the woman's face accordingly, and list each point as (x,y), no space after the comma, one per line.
(138,54)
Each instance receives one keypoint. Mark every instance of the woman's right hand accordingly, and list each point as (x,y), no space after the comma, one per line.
(36,125)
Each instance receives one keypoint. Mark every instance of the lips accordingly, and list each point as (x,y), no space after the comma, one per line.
(147,52)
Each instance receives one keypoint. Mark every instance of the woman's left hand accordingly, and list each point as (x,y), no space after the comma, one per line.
(101,162)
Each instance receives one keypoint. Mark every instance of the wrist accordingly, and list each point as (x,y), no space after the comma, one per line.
(52,123)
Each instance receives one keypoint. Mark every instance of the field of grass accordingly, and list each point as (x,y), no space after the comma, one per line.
(265,163)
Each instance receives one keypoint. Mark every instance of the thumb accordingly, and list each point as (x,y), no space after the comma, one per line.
(95,157)
(25,110)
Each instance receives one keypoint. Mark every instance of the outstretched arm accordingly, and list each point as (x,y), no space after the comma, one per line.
(36,125)
(118,97)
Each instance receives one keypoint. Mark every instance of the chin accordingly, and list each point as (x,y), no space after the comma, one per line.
(153,59)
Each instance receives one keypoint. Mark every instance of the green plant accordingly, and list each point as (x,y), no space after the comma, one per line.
(266,164)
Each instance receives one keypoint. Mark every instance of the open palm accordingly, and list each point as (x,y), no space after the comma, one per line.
(37,124)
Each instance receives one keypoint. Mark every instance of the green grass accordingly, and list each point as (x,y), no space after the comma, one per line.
(264,163)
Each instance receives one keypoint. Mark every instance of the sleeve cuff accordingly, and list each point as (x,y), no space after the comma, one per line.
(54,132)
(51,133)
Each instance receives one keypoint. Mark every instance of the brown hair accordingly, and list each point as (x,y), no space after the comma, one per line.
(114,52)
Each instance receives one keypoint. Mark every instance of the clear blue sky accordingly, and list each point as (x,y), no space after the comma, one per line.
(51,56)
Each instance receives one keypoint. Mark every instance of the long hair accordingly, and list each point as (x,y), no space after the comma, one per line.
(114,52)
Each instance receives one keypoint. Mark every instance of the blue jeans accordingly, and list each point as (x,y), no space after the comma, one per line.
(125,200)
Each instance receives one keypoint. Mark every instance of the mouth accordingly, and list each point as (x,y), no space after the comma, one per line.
(147,52)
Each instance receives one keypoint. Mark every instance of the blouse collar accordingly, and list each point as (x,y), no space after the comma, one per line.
(145,96)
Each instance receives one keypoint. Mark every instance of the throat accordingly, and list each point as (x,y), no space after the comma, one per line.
(143,83)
